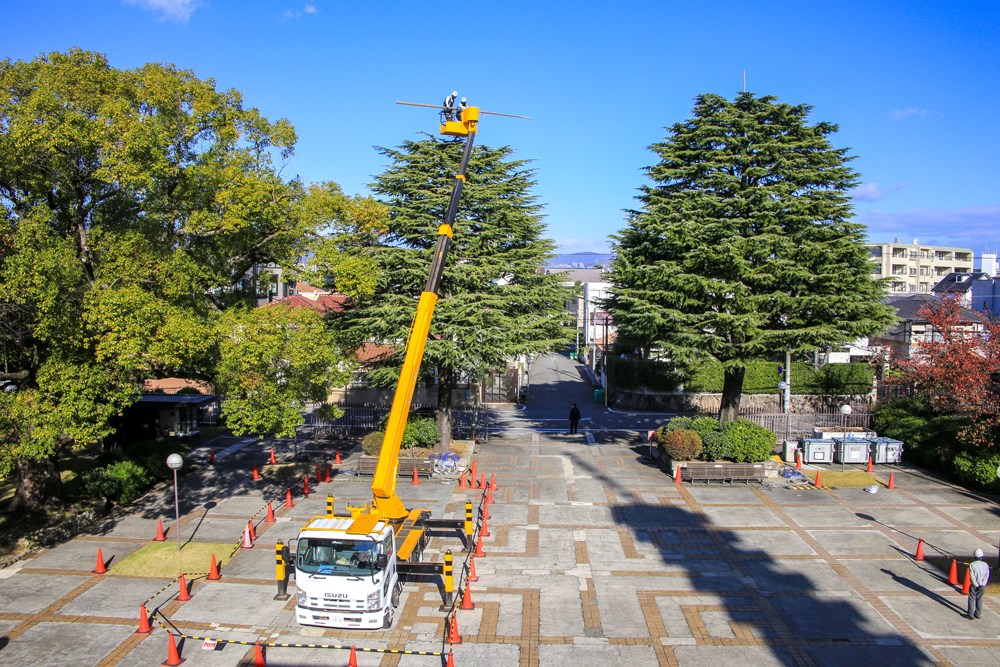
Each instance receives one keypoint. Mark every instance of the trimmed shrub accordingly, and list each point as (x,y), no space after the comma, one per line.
(420,431)
(761,377)
(978,468)
(371,444)
(120,482)
(748,442)
(679,423)
(705,425)
(715,446)
(680,445)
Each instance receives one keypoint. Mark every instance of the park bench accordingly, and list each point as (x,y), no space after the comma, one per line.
(722,472)
(424,467)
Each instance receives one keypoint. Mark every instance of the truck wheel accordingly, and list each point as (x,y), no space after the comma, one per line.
(396,590)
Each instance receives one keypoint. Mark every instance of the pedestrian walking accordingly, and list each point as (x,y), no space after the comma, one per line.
(574,418)
(979,574)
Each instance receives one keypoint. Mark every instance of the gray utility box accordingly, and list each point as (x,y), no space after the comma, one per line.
(851,450)
(788,450)
(817,451)
(886,450)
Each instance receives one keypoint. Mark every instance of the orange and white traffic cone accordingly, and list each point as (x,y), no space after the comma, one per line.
(482,480)
(892,482)
(258,656)
(160,537)
(472,571)
(920,550)
(270,513)
(326,477)
(416,479)
(144,627)
(173,657)
(467,598)
(337,459)
(870,468)
(677,474)
(453,636)
(493,482)
(305,485)
(100,569)
(817,479)
(486,510)
(485,530)
(273,459)
(247,542)
(967,584)
(451,660)
(472,480)
(489,496)
(798,460)
(213,571)
(183,595)
(256,475)
(461,481)
(953,574)
(253,533)
(211,455)
(479,548)
(353,661)
(288,499)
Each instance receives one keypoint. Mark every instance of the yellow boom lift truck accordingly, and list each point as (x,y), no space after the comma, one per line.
(348,568)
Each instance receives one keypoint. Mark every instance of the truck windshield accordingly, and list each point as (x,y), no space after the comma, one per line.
(343,557)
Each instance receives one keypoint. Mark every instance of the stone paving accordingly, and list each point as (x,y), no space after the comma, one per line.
(594,557)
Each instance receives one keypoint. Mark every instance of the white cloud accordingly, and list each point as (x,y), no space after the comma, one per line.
(871,191)
(900,114)
(175,10)
(309,9)
(968,227)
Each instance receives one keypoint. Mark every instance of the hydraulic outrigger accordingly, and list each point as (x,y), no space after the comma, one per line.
(335,554)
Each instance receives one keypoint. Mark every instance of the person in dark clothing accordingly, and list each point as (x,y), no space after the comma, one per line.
(574,418)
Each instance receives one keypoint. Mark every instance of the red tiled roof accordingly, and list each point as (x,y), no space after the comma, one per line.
(372,352)
(324,303)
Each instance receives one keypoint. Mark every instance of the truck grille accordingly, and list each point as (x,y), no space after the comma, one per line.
(323,604)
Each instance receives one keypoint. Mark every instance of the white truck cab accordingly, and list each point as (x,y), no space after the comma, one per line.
(345,574)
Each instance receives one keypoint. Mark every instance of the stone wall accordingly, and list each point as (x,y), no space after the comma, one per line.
(463,396)
(710,402)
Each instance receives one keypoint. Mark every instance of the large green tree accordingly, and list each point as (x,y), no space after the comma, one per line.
(134,204)
(495,300)
(743,247)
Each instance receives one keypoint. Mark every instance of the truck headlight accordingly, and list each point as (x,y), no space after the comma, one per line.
(300,598)
(373,601)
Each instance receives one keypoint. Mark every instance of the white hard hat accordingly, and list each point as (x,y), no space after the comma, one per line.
(454,92)
(463,99)
(979,553)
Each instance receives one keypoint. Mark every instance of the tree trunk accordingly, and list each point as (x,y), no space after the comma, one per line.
(38,483)
(442,416)
(732,392)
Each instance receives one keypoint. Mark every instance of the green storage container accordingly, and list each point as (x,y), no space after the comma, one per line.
(599,396)
(572,355)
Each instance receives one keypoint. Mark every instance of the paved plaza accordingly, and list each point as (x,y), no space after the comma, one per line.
(594,557)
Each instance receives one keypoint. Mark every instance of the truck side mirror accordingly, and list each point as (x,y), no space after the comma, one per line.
(382,561)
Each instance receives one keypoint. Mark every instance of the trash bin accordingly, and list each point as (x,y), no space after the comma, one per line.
(817,451)
(851,450)
(886,450)
(788,451)
(572,355)
(599,396)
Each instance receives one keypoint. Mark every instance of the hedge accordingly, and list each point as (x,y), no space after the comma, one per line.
(648,374)
(762,378)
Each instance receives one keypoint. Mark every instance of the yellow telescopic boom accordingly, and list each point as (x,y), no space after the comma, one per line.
(386,503)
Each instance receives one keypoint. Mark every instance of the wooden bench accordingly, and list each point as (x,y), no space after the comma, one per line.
(424,467)
(722,472)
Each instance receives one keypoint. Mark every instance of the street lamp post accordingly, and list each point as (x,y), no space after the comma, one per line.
(845,410)
(174,462)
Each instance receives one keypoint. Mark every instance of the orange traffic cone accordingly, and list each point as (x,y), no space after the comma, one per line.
(817,479)
(892,482)
(183,595)
(798,460)
(869,465)
(453,636)
(493,482)
(144,627)
(211,455)
(100,569)
(326,477)
(258,655)
(472,571)
(256,475)
(160,537)
(288,499)
(305,485)
(173,657)
(416,480)
(953,574)
(337,460)
(319,473)
(485,530)
(482,480)
(486,511)
(213,571)
(467,598)
(451,660)
(270,513)
(479,548)
(677,474)
(273,459)
(967,584)
(489,495)
(353,661)
(461,481)
(247,542)
(920,550)
(472,480)
(253,533)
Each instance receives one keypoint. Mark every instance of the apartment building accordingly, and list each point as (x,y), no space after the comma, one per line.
(916,267)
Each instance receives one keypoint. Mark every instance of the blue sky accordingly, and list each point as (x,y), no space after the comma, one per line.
(913,86)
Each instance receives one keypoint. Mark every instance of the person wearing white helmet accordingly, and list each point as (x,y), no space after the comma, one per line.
(462,106)
(449,105)
(979,575)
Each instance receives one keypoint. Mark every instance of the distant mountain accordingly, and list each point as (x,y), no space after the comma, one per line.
(580,260)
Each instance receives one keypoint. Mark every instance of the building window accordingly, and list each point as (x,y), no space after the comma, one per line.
(876,252)
(913,288)
(913,254)
(913,271)
(877,270)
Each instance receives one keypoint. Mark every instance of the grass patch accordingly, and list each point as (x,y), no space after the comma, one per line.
(943,563)
(848,478)
(162,560)
(206,433)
